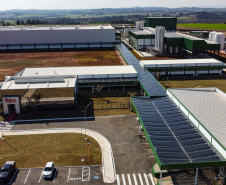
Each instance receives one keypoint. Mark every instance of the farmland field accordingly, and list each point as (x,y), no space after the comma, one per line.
(205,26)
(11,63)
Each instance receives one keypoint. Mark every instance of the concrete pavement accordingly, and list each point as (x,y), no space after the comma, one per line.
(109,174)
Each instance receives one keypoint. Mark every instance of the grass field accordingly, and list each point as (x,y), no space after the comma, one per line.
(36,150)
(11,63)
(205,26)
(219,83)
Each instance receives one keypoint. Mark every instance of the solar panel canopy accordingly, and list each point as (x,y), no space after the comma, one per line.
(149,84)
(174,140)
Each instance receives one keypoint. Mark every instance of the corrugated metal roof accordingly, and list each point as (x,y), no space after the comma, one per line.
(50,27)
(189,62)
(208,106)
(11,84)
(143,32)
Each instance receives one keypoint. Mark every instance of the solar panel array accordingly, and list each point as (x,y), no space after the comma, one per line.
(174,138)
(149,83)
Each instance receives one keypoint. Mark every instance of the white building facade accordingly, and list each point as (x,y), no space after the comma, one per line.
(56,37)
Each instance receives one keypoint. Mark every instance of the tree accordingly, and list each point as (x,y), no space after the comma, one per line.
(157,75)
(99,89)
(166,83)
(22,22)
(37,22)
(3,23)
(28,21)
(18,22)
(37,97)
(132,93)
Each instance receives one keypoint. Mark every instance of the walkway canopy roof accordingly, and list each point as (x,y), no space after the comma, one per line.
(176,143)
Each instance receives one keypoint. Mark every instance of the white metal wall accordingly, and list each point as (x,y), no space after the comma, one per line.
(56,36)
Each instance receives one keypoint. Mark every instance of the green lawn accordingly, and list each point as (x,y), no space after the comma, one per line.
(205,26)
(219,83)
(31,151)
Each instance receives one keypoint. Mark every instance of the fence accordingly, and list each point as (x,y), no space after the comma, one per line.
(111,105)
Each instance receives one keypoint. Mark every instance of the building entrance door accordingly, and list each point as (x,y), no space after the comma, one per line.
(12,108)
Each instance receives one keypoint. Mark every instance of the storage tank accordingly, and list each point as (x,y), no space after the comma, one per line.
(139,25)
(211,36)
(220,38)
(159,38)
(217,38)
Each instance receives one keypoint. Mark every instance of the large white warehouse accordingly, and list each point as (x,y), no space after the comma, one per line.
(56,37)
(191,67)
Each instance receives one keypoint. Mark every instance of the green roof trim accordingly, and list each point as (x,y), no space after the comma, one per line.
(176,165)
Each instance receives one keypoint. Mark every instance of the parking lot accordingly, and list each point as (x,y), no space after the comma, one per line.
(132,154)
(61,175)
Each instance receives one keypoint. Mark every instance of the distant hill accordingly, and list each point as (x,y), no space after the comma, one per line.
(112,15)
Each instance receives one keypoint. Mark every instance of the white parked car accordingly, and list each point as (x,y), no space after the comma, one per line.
(48,170)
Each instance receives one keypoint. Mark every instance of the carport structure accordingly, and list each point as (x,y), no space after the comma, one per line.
(174,140)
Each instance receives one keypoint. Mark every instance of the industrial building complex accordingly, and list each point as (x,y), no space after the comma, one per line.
(174,43)
(185,128)
(149,37)
(57,37)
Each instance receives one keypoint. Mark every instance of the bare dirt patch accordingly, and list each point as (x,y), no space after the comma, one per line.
(11,63)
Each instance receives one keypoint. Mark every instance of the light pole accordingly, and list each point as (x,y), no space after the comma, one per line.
(85,117)
(83,159)
(2,132)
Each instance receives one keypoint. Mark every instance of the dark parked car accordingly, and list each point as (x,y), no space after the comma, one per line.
(7,170)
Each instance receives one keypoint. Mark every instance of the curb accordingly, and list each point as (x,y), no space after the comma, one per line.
(63,119)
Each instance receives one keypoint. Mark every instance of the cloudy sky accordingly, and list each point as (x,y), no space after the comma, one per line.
(90,4)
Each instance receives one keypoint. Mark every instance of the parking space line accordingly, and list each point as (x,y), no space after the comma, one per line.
(13,176)
(146,179)
(68,174)
(135,179)
(40,178)
(123,179)
(55,175)
(141,181)
(118,181)
(27,176)
(129,179)
(152,180)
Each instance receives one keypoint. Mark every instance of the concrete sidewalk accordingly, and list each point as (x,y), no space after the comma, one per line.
(109,174)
